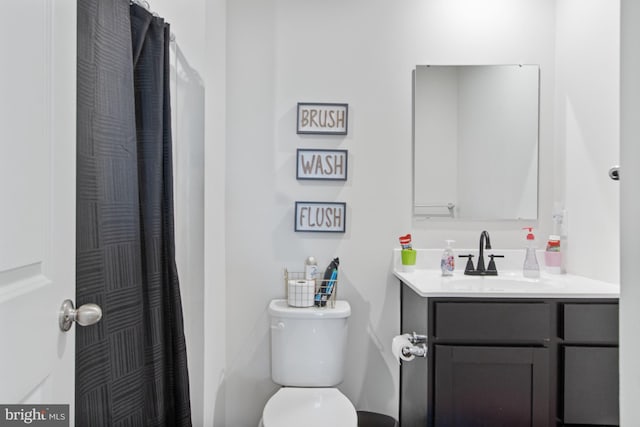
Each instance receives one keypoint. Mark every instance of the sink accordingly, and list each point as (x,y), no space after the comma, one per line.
(510,283)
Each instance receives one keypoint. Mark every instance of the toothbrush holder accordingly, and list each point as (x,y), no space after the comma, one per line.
(408,257)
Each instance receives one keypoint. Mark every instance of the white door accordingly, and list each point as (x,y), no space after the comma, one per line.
(37,199)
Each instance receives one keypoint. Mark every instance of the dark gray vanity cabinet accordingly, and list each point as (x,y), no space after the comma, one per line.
(491,386)
(510,362)
(589,357)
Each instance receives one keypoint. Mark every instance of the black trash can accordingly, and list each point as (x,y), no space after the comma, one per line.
(373,419)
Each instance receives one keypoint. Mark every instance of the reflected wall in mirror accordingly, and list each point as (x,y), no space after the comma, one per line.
(475,141)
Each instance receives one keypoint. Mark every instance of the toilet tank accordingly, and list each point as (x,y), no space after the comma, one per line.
(308,345)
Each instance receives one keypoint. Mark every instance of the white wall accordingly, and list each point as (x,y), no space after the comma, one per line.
(284,52)
(281,53)
(493,32)
(587,133)
(215,310)
(630,212)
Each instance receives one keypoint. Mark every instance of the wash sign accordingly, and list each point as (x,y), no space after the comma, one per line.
(327,119)
(322,164)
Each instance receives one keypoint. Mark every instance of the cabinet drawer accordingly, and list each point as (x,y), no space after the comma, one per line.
(492,321)
(591,323)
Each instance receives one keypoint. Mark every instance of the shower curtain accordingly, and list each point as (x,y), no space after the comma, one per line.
(131,368)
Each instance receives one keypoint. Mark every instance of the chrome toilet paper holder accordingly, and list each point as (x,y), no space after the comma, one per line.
(417,338)
(418,347)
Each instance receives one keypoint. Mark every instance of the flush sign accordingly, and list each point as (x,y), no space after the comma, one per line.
(326,119)
(321,217)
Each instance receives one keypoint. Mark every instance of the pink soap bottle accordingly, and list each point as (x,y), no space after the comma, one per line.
(553,256)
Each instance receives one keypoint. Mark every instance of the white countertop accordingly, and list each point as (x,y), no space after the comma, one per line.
(429,282)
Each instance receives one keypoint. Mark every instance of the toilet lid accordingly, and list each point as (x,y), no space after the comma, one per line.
(309,407)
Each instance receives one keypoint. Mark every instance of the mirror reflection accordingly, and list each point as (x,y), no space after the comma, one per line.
(475,142)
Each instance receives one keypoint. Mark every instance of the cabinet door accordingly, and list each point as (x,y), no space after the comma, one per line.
(591,385)
(491,386)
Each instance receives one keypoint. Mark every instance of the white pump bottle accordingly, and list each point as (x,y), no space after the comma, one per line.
(531,268)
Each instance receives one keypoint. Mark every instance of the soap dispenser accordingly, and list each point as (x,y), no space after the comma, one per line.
(447,262)
(531,268)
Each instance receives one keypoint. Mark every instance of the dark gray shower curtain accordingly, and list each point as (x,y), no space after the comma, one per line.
(131,368)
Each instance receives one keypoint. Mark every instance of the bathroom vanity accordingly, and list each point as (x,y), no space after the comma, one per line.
(507,351)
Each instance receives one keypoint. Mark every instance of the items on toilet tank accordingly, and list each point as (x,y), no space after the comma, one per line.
(553,255)
(309,288)
(530,268)
(448,261)
(310,268)
(300,293)
(328,283)
(301,286)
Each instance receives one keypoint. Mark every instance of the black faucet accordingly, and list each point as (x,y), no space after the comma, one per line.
(485,243)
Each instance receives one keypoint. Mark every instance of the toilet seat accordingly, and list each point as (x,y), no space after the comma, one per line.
(309,407)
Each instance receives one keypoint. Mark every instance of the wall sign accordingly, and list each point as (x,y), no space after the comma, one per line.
(325,119)
(321,216)
(322,164)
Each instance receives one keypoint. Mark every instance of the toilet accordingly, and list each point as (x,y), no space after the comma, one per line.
(307,358)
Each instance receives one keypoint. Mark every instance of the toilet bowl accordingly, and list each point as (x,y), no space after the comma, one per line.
(308,348)
(309,407)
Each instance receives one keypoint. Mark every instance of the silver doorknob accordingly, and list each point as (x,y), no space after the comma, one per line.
(85,315)
(614,173)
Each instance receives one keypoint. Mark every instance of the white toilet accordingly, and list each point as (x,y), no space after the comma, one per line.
(307,358)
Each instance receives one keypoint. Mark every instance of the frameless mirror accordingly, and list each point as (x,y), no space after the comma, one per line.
(475,141)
